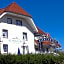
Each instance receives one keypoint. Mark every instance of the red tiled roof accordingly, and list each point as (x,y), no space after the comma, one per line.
(13,7)
(40,32)
(58,45)
(1,11)
(46,42)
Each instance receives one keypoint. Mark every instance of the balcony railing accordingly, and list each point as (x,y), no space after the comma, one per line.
(47,39)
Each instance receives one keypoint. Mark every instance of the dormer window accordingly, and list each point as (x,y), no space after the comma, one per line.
(18,22)
(9,20)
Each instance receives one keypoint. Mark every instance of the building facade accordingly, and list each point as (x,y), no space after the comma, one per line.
(16,31)
(19,34)
(44,43)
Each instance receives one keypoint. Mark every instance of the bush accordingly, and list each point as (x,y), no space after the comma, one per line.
(32,59)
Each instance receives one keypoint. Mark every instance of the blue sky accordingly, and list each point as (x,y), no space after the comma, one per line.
(48,15)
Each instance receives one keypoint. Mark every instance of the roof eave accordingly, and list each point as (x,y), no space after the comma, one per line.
(23,16)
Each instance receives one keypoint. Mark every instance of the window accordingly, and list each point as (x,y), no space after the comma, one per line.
(5,47)
(5,33)
(51,40)
(9,20)
(24,36)
(44,39)
(47,39)
(18,22)
(56,41)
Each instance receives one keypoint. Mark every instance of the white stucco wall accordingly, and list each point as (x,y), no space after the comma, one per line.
(15,31)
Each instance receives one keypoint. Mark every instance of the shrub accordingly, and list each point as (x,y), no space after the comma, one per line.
(32,59)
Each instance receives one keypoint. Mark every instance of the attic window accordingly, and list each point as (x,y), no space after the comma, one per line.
(9,20)
(18,22)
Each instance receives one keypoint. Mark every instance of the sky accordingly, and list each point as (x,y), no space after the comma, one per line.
(48,15)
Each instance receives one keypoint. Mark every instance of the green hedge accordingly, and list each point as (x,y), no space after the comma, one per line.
(32,59)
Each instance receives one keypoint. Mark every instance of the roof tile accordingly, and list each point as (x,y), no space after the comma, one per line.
(40,32)
(13,7)
(46,42)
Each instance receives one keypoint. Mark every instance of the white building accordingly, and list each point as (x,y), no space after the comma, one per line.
(44,43)
(16,30)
